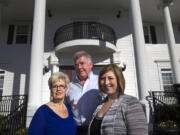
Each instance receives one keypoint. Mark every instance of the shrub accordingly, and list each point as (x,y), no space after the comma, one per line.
(1,125)
(22,132)
(164,113)
(170,124)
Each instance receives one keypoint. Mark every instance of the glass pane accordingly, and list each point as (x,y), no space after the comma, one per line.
(0,93)
(145,28)
(1,72)
(21,39)
(165,69)
(1,82)
(23,29)
(168,88)
(167,79)
(146,37)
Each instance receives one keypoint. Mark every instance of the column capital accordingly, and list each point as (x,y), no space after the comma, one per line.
(167,2)
(164,3)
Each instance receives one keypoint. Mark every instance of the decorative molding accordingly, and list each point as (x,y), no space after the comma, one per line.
(163,60)
(164,3)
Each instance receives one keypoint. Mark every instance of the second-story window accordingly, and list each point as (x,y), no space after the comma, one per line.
(19,34)
(150,34)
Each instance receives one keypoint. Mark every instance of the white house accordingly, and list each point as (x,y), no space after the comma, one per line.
(39,37)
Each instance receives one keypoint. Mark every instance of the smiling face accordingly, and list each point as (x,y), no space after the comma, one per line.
(83,67)
(58,90)
(108,84)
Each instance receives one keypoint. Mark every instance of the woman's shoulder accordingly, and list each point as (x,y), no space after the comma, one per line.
(128,99)
(43,108)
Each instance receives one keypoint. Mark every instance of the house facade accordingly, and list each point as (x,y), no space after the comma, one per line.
(39,37)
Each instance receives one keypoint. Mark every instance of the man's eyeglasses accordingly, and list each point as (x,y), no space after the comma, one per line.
(59,86)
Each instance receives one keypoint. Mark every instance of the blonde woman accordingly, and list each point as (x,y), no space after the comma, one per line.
(55,117)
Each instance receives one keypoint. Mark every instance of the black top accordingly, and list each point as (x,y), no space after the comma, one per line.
(95,128)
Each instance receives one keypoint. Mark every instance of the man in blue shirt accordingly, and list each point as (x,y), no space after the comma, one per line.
(82,95)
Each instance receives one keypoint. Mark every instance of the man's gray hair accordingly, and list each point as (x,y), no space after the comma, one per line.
(82,53)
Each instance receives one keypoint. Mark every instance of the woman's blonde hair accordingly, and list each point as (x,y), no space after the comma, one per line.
(56,76)
(119,76)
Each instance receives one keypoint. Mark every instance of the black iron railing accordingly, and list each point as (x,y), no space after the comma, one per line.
(84,30)
(166,107)
(13,114)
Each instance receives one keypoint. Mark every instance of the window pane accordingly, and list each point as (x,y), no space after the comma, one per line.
(21,39)
(23,29)
(145,28)
(146,37)
(168,87)
(167,79)
(1,72)
(153,34)
(22,34)
(166,69)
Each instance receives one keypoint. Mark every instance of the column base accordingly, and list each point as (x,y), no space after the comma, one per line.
(30,113)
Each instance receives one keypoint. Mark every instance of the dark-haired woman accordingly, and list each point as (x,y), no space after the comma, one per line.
(119,114)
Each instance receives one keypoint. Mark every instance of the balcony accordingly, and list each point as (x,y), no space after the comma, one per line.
(92,37)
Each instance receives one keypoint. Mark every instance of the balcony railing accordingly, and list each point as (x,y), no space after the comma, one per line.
(84,30)
(12,114)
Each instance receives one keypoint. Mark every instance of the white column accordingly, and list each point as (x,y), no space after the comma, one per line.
(171,44)
(36,65)
(139,49)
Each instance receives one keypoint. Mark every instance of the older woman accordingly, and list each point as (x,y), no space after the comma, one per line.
(119,114)
(55,117)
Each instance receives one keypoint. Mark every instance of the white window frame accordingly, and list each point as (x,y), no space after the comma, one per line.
(163,64)
(28,34)
(167,71)
(12,33)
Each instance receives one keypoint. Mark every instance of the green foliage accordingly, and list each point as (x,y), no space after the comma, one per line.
(165,113)
(1,125)
(170,124)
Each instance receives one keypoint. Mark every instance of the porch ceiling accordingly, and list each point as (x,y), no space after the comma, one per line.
(149,8)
